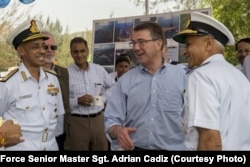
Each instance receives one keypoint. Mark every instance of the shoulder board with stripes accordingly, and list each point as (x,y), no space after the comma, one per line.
(50,71)
(190,71)
(9,75)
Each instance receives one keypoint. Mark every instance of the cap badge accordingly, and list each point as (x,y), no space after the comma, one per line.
(188,21)
(33,27)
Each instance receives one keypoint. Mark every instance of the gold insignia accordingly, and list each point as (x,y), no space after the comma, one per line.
(33,27)
(24,76)
(9,75)
(188,31)
(51,85)
(188,21)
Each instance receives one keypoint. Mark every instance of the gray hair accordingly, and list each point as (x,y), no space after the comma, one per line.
(219,45)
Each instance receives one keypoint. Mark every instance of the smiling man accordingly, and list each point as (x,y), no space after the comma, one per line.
(87,80)
(144,111)
(32,95)
(217,96)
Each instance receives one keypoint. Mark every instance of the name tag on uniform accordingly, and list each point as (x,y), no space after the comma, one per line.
(25,96)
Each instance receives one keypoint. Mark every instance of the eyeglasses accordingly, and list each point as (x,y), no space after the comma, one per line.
(52,47)
(140,42)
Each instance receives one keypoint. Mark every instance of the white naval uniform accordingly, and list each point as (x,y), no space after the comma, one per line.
(218,97)
(239,67)
(36,109)
(246,67)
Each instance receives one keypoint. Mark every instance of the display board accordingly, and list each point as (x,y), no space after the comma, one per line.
(111,37)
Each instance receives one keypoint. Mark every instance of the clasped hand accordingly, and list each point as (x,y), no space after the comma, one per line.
(12,133)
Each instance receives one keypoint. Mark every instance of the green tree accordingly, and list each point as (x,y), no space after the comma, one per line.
(8,55)
(62,38)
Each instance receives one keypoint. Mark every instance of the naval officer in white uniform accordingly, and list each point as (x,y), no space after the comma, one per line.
(31,95)
(217,96)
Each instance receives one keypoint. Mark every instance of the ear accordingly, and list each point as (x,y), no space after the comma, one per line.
(209,43)
(20,50)
(159,44)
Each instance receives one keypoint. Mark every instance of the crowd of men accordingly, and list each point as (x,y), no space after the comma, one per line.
(158,105)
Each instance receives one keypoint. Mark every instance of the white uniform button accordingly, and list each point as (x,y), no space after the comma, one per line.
(43,108)
(27,107)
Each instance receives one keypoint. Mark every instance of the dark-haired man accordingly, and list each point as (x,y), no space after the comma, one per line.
(242,48)
(87,81)
(31,95)
(144,111)
(122,65)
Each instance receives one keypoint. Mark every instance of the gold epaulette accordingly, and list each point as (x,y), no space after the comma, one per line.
(50,71)
(9,75)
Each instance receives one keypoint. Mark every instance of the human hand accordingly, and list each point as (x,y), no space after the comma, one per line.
(12,133)
(122,135)
(85,100)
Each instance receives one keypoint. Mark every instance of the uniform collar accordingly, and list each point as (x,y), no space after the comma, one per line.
(212,58)
(25,74)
